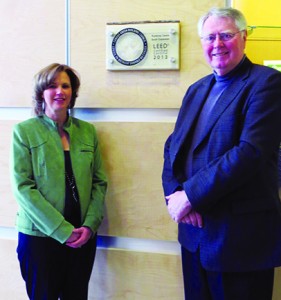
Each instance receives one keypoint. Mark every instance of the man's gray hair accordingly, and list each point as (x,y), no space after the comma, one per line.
(226,12)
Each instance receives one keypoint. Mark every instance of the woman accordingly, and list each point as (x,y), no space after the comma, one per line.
(60,185)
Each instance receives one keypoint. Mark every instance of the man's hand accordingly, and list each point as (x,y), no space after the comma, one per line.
(193,218)
(178,205)
(180,209)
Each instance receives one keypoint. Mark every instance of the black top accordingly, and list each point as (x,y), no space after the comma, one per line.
(72,211)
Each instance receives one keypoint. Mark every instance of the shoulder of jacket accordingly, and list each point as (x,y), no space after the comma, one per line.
(84,125)
(29,122)
(32,130)
(29,125)
(265,70)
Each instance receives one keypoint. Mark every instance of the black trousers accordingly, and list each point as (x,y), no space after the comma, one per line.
(54,271)
(200,284)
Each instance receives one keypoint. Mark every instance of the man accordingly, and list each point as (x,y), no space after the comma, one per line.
(220,169)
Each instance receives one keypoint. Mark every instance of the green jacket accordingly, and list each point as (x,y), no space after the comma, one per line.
(38,176)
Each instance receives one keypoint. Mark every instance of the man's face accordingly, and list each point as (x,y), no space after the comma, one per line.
(222,55)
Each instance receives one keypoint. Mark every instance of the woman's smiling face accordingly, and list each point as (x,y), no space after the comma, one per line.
(223,56)
(58,95)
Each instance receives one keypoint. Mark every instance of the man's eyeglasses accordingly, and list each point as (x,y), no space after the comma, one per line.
(223,36)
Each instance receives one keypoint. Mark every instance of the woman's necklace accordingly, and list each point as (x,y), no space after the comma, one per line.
(72,185)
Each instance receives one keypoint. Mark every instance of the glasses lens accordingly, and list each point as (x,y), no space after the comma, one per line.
(226,36)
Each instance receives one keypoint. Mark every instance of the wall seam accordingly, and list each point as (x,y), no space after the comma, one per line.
(67,32)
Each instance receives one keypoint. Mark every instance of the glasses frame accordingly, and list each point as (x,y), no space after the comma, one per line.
(223,36)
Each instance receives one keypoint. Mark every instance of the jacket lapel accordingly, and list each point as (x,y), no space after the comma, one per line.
(190,112)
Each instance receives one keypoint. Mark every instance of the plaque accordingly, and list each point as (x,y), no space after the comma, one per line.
(143,46)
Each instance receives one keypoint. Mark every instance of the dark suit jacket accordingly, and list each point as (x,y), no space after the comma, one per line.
(233,182)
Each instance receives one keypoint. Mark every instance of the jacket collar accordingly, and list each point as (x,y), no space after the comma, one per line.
(54,124)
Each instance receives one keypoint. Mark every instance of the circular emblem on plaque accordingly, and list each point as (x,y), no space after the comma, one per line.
(129,46)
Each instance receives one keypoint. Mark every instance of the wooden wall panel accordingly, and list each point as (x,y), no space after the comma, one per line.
(8,206)
(102,88)
(277,285)
(125,275)
(32,36)
(133,154)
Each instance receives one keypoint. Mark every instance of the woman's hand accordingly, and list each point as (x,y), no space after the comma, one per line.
(79,237)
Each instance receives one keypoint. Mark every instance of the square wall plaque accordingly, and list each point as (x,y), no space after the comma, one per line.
(143,46)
